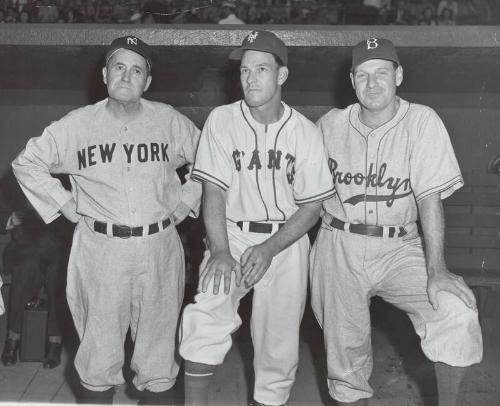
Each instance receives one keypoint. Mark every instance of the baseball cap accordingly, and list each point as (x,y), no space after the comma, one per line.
(264,41)
(373,48)
(131,43)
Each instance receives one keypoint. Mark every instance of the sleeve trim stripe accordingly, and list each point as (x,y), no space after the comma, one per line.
(321,196)
(200,176)
(441,188)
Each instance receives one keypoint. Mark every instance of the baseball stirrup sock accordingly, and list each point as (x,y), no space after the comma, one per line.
(196,386)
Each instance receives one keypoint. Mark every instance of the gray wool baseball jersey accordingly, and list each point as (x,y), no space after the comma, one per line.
(120,173)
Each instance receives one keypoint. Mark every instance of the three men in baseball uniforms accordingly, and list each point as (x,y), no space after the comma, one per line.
(264,175)
(126,267)
(392,163)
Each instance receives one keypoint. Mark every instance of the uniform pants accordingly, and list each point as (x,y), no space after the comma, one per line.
(346,271)
(34,263)
(114,284)
(277,309)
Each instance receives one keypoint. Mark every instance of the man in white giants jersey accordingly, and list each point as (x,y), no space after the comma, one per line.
(264,175)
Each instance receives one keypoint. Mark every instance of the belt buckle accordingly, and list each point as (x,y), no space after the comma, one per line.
(122,231)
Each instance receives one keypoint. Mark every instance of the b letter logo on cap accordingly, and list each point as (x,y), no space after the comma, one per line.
(131,41)
(371,43)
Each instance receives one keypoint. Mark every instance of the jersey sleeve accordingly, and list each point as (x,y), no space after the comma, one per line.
(433,165)
(213,160)
(313,181)
(32,169)
(191,190)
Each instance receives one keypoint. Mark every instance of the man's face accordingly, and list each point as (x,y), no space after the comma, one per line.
(126,76)
(375,82)
(261,78)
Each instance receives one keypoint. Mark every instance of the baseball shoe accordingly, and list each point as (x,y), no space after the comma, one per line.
(53,356)
(165,398)
(255,403)
(10,350)
(94,397)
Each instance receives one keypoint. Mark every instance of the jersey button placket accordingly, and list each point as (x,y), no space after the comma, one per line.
(371,190)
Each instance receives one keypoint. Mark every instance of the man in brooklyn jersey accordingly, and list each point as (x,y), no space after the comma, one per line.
(264,174)
(392,162)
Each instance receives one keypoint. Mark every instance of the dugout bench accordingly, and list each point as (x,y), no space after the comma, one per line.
(452,69)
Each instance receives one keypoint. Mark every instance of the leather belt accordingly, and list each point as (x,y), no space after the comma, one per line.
(373,231)
(127,232)
(253,227)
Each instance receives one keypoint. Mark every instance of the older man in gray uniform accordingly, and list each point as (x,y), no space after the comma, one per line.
(126,267)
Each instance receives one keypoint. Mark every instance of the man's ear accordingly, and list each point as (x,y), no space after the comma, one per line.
(399,75)
(351,75)
(104,75)
(282,75)
(148,82)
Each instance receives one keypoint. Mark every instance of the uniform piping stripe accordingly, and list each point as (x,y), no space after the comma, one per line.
(256,169)
(318,197)
(378,150)
(198,375)
(201,176)
(274,168)
(440,188)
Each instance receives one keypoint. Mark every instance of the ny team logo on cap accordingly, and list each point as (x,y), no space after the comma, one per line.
(131,40)
(252,36)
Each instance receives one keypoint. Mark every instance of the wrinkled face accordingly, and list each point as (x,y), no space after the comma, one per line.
(126,76)
(375,82)
(261,78)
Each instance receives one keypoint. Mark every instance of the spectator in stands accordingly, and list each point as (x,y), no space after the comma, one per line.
(446,17)
(48,12)
(24,17)
(121,12)
(451,4)
(376,10)
(401,13)
(229,13)
(2,16)
(11,16)
(427,17)
(36,258)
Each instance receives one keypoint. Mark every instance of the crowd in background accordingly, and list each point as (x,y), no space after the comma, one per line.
(403,12)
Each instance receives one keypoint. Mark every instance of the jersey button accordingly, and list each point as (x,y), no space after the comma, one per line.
(370,211)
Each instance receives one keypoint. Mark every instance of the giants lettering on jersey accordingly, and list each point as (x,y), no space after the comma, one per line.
(273,161)
(372,179)
(102,153)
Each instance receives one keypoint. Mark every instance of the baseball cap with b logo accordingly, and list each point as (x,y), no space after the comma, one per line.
(373,48)
(264,41)
(131,43)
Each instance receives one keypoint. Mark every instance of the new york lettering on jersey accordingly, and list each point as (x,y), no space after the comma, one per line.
(135,153)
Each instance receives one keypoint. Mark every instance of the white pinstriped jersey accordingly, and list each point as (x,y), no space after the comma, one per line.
(380,174)
(267,170)
(120,173)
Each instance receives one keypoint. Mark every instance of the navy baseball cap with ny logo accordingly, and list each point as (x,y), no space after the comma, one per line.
(264,41)
(373,48)
(131,43)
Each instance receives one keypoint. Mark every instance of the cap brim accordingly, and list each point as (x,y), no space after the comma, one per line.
(113,50)
(237,54)
(369,59)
